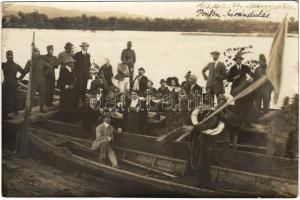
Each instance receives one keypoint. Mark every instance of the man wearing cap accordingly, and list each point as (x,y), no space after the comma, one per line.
(238,76)
(263,94)
(10,84)
(82,70)
(50,77)
(128,57)
(140,82)
(217,73)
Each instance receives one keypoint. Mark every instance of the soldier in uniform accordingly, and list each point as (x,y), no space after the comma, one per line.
(10,84)
(128,57)
(50,77)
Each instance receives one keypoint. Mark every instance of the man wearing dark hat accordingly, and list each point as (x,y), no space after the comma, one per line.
(140,82)
(128,57)
(163,90)
(10,84)
(263,94)
(238,76)
(82,70)
(217,73)
(50,77)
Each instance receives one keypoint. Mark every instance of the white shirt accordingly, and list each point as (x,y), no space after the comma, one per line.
(106,124)
(239,67)
(136,85)
(134,103)
(84,52)
(193,86)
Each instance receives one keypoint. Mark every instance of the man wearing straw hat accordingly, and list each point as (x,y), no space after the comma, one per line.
(82,69)
(217,73)
(104,141)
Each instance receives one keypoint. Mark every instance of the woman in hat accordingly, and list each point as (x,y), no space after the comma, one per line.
(163,90)
(174,88)
(68,101)
(106,70)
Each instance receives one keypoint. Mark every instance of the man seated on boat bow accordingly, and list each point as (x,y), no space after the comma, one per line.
(104,140)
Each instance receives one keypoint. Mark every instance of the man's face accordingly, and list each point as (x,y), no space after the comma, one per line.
(9,56)
(162,84)
(50,51)
(192,80)
(238,61)
(141,72)
(149,84)
(262,62)
(84,48)
(215,57)
(129,45)
(69,49)
(107,120)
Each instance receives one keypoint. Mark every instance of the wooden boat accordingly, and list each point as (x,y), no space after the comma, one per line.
(162,169)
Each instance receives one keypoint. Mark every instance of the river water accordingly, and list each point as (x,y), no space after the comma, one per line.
(162,54)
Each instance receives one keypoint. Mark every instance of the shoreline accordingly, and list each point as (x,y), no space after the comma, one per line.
(188,33)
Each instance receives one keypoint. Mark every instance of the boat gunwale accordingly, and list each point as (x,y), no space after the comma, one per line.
(59,152)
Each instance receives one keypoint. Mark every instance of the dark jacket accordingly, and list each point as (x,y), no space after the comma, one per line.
(66,78)
(53,61)
(142,84)
(195,90)
(82,66)
(234,72)
(10,70)
(128,57)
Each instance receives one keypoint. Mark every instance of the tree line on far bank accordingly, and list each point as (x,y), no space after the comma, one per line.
(84,22)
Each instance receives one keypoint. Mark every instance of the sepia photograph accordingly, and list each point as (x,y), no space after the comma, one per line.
(150,99)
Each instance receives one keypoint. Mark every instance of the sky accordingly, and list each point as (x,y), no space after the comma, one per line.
(276,9)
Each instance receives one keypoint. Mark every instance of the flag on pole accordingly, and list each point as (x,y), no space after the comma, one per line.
(274,70)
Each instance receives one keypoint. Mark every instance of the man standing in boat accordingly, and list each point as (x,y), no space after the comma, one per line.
(128,57)
(263,94)
(140,82)
(238,75)
(10,84)
(104,141)
(82,70)
(50,77)
(217,73)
